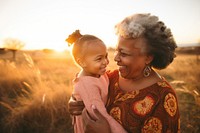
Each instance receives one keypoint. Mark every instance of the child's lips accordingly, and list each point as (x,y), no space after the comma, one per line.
(103,69)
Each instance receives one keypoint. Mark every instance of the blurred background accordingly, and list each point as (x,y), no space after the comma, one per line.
(36,67)
(46,23)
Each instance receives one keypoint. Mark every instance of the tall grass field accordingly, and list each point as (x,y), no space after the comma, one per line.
(36,87)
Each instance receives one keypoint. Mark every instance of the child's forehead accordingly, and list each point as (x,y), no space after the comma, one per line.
(94,42)
(98,47)
(94,47)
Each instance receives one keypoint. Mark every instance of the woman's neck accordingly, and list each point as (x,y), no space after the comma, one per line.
(139,83)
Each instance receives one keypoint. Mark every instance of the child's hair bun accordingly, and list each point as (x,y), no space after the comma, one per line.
(73,37)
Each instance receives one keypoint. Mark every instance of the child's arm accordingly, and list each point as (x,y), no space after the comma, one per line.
(90,95)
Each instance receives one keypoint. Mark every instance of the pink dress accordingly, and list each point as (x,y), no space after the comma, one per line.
(94,91)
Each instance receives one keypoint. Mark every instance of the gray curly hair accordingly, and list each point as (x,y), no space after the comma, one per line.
(160,41)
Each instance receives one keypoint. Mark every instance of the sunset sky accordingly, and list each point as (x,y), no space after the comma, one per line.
(46,23)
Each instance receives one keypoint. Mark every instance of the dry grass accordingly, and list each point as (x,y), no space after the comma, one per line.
(34,92)
(31,102)
(185,68)
(184,74)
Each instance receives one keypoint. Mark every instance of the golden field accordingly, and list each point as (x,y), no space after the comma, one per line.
(35,89)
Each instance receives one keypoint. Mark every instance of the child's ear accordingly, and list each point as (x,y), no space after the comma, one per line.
(81,63)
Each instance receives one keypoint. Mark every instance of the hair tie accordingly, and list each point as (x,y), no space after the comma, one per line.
(73,37)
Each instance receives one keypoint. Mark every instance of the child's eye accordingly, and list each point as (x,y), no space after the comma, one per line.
(98,59)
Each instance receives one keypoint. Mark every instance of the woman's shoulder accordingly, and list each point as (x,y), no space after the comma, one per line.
(164,87)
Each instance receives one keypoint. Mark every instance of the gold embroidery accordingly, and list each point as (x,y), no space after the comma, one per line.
(163,84)
(152,125)
(116,85)
(123,97)
(170,104)
(116,114)
(144,106)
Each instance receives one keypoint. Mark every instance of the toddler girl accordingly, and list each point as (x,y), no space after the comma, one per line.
(91,83)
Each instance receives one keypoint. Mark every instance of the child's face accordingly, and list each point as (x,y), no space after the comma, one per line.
(96,59)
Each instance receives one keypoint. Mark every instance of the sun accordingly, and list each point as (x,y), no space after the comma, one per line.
(59,47)
(59,50)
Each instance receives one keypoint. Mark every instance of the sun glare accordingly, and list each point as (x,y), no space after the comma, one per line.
(46,25)
(59,55)
(60,50)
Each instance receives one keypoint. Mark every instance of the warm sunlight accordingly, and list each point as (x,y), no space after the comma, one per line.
(41,24)
(60,54)
(39,74)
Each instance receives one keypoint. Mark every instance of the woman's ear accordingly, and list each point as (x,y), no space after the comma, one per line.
(149,59)
(81,62)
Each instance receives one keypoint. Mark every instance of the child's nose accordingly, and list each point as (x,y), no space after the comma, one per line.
(106,61)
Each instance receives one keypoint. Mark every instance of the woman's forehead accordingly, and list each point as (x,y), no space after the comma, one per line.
(130,42)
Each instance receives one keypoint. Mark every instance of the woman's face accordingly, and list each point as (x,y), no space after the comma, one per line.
(131,58)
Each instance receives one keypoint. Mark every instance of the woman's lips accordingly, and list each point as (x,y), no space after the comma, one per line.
(122,68)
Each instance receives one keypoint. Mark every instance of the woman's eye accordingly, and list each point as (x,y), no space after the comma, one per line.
(123,54)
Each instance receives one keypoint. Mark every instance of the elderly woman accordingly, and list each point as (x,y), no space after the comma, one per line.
(139,98)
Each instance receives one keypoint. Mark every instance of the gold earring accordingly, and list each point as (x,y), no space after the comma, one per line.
(147,71)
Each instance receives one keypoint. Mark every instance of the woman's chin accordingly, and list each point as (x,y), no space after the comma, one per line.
(122,74)
(122,70)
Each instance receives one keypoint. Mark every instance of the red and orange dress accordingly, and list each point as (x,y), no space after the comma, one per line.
(153,109)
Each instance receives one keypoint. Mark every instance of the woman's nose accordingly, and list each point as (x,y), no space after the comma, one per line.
(116,56)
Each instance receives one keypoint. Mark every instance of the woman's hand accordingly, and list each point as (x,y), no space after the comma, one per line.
(75,107)
(100,125)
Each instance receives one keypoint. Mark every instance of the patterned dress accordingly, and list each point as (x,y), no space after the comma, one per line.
(153,109)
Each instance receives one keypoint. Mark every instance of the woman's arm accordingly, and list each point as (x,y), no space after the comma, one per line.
(100,125)
(75,107)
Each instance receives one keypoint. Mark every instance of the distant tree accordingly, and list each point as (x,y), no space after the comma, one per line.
(198,51)
(13,45)
(48,51)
